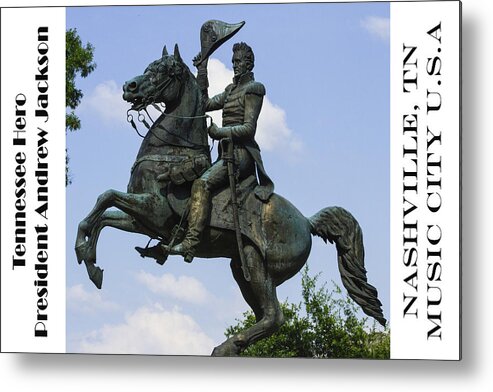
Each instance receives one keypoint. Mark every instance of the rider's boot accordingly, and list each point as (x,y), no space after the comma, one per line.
(199,210)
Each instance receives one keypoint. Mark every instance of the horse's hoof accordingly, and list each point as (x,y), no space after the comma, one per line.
(95,274)
(226,350)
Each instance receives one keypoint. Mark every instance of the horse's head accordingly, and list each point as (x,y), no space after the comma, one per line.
(162,81)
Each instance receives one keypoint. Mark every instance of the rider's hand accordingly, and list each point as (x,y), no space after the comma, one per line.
(215,132)
(196,61)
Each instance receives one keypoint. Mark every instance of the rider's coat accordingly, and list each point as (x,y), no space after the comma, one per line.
(241,102)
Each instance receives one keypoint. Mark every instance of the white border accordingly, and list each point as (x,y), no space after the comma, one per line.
(19,62)
(410,23)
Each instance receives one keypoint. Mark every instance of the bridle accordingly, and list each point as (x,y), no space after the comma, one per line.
(150,100)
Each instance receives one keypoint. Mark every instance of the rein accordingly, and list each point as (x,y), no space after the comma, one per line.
(141,118)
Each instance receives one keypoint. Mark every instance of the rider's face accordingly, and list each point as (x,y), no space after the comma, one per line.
(239,63)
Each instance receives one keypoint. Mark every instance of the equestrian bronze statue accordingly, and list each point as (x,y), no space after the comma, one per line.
(228,208)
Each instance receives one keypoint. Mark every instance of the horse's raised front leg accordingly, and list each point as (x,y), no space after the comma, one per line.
(137,206)
(118,220)
(146,209)
(260,293)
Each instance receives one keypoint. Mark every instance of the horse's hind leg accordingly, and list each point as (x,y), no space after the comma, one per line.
(260,293)
(245,288)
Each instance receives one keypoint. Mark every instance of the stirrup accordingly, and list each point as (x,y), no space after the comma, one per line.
(154,252)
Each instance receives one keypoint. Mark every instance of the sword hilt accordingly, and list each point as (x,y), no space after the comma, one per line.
(227,147)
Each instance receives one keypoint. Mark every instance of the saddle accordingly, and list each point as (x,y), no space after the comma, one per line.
(221,216)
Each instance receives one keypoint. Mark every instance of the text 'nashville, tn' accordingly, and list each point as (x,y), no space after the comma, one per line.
(25,161)
(426,230)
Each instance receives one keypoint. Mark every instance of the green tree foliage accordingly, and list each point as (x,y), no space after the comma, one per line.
(324,325)
(79,61)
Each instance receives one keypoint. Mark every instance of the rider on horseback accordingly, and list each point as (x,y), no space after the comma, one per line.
(241,102)
(156,206)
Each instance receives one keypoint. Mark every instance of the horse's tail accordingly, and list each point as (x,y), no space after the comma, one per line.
(338,225)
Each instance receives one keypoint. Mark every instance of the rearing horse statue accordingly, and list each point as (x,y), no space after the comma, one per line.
(277,237)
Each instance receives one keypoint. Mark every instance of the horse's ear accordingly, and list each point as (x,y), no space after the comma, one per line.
(177,54)
(165,51)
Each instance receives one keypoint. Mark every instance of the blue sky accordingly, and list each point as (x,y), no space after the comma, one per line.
(324,134)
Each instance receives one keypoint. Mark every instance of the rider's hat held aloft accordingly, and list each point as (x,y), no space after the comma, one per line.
(213,34)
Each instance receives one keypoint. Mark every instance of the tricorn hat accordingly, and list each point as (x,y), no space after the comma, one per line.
(214,33)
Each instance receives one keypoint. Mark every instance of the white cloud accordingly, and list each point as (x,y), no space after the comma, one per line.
(219,76)
(377,26)
(183,288)
(78,299)
(273,132)
(106,101)
(150,330)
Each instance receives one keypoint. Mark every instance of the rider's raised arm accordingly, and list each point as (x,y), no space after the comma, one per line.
(210,104)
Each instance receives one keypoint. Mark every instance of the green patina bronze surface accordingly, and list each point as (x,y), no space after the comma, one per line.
(177,196)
